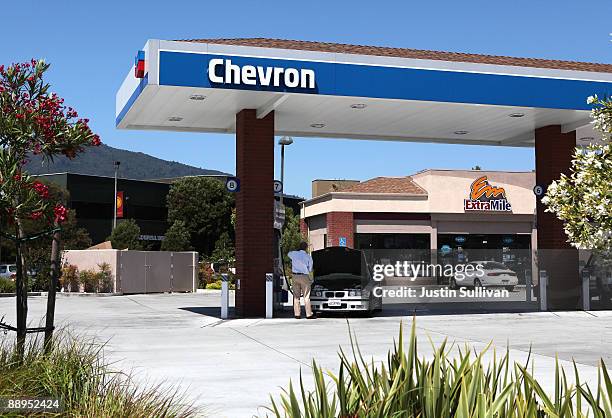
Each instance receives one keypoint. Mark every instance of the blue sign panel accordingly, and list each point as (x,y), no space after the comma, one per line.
(356,80)
(342,241)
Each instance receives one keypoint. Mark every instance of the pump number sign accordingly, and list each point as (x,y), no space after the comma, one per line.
(278,186)
(232,184)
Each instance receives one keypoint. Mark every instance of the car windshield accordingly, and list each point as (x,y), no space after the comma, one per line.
(12,269)
(492,265)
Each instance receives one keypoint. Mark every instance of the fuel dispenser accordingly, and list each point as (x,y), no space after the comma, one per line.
(281,287)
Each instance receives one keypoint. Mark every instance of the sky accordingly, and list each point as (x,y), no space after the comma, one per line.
(91,46)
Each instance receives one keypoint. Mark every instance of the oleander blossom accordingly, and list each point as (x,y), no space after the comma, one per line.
(61,213)
(41,189)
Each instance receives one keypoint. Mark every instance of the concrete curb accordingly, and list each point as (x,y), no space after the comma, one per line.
(8,295)
(76,294)
(210,291)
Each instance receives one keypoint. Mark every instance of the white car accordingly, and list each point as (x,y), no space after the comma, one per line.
(342,282)
(485,274)
(8,271)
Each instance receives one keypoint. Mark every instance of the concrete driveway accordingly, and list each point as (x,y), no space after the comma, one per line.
(230,367)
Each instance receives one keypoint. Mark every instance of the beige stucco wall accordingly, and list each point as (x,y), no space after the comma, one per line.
(368,226)
(90,259)
(357,202)
(448,189)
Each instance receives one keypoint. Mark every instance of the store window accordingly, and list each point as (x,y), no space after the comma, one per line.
(511,250)
(391,248)
(392,241)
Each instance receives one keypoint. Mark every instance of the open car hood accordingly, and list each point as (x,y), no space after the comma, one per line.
(337,260)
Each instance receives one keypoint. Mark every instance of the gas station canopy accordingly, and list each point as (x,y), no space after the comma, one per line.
(334,90)
(259,88)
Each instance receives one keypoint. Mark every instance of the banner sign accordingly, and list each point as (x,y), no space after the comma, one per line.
(119,204)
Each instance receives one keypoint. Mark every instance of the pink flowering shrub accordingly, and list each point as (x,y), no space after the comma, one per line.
(34,122)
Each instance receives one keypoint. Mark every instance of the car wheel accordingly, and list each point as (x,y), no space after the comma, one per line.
(510,288)
(477,283)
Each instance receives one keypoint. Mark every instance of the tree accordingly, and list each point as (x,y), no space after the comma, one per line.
(126,236)
(583,199)
(292,236)
(205,207)
(37,254)
(33,122)
(176,238)
(73,237)
(224,249)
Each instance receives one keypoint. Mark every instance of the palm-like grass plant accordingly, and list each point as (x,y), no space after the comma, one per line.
(76,373)
(452,384)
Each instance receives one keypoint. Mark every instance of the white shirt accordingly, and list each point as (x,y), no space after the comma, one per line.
(301,262)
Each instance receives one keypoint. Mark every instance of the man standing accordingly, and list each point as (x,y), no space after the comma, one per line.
(301,267)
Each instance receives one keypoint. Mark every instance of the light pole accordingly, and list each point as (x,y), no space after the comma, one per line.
(117,164)
(285,140)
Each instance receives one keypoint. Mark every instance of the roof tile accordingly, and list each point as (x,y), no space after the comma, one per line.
(399,185)
(410,53)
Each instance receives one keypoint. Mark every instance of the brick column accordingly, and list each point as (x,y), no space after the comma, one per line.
(553,152)
(254,209)
(304,228)
(340,224)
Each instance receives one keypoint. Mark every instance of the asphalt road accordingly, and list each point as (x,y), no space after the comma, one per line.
(229,367)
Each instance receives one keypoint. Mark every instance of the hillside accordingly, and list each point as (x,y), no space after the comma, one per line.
(134,165)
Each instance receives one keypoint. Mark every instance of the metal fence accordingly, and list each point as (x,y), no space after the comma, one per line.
(142,271)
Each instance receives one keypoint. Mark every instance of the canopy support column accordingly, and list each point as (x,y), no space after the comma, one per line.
(254,210)
(553,151)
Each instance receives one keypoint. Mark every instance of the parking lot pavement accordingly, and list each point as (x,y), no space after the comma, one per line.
(230,367)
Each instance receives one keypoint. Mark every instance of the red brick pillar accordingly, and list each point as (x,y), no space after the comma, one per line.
(254,209)
(340,224)
(304,228)
(554,151)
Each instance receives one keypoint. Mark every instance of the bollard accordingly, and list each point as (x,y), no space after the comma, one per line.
(528,285)
(224,296)
(269,295)
(586,296)
(543,290)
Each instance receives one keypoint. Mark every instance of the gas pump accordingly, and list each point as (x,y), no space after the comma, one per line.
(280,286)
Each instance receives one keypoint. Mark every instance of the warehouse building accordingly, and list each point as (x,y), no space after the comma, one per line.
(91,197)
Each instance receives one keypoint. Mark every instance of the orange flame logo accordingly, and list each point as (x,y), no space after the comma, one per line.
(481,187)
